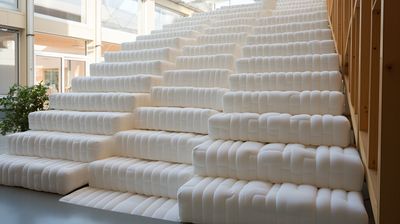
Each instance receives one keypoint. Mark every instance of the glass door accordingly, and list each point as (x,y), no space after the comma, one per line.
(48,70)
(72,68)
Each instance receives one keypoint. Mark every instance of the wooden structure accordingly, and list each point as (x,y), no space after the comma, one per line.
(367,38)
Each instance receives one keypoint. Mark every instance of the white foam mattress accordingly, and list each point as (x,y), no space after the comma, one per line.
(282,128)
(299,5)
(207,78)
(124,202)
(301,36)
(195,97)
(322,166)
(158,145)
(130,68)
(158,43)
(106,102)
(212,49)
(172,34)
(298,10)
(101,123)
(129,84)
(165,54)
(229,29)
(218,200)
(58,145)
(292,27)
(238,38)
(303,17)
(290,81)
(292,102)
(249,21)
(192,120)
(152,178)
(221,61)
(297,63)
(198,28)
(41,174)
(187,23)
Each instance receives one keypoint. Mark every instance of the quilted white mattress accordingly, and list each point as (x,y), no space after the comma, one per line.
(158,43)
(210,98)
(287,49)
(249,21)
(198,28)
(303,17)
(296,81)
(292,102)
(238,38)
(58,145)
(158,145)
(187,23)
(283,128)
(283,7)
(192,120)
(218,200)
(298,10)
(291,27)
(135,204)
(323,167)
(165,54)
(107,102)
(212,49)
(130,68)
(301,36)
(129,84)
(297,63)
(235,15)
(40,174)
(197,78)
(230,29)
(172,34)
(153,178)
(102,123)
(222,61)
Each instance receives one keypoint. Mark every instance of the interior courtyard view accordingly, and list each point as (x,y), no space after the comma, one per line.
(199,111)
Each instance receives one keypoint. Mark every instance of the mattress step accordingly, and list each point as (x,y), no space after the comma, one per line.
(59,145)
(247,21)
(191,120)
(287,49)
(220,61)
(176,42)
(124,202)
(164,54)
(101,123)
(187,23)
(156,67)
(41,174)
(322,166)
(207,78)
(291,81)
(229,16)
(207,98)
(102,102)
(151,178)
(129,84)
(158,145)
(229,29)
(219,200)
(297,63)
(301,36)
(172,34)
(281,128)
(303,17)
(300,6)
(239,38)
(212,49)
(198,28)
(291,27)
(294,11)
(292,102)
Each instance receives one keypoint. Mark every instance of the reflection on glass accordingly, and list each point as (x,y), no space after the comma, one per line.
(48,70)
(9,4)
(164,16)
(73,10)
(72,69)
(8,60)
(120,15)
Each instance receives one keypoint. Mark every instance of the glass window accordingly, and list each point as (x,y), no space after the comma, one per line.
(233,2)
(9,4)
(58,44)
(8,60)
(73,10)
(164,16)
(72,69)
(120,15)
(48,70)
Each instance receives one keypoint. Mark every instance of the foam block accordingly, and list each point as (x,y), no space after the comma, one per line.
(301,36)
(303,17)
(229,29)
(198,28)
(250,21)
(41,174)
(281,128)
(165,54)
(130,68)
(158,145)
(238,38)
(292,27)
(222,61)
(187,23)
(197,78)
(176,42)
(58,145)
(152,178)
(212,49)
(323,166)
(172,34)
(294,11)
(102,123)
(218,200)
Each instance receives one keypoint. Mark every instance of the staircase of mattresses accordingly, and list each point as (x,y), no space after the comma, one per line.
(229,116)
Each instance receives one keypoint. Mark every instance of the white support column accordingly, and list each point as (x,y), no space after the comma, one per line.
(30,42)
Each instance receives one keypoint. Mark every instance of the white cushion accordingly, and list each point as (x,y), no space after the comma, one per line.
(293,48)
(309,35)
(198,28)
(238,38)
(297,63)
(291,27)
(158,145)
(210,98)
(134,84)
(218,200)
(58,145)
(41,174)
(102,123)
(292,102)
(182,33)
(283,128)
(135,204)
(175,42)
(153,178)
(166,54)
(229,29)
(187,23)
(192,120)
(303,17)
(222,61)
(107,102)
(130,68)
(299,5)
(298,10)
(197,78)
(249,21)
(296,81)
(324,167)
(212,49)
